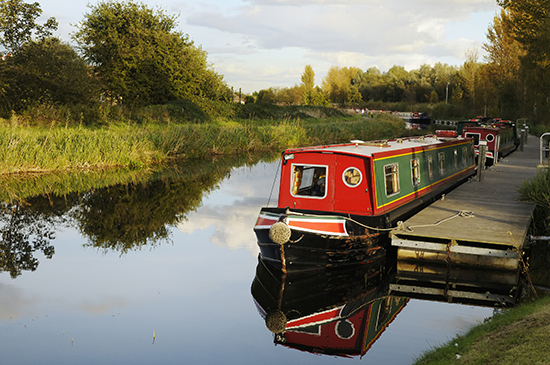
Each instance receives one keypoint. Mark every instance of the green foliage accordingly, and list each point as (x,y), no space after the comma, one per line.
(338,85)
(537,190)
(515,336)
(141,59)
(18,23)
(43,73)
(528,23)
(266,111)
(141,143)
(433,97)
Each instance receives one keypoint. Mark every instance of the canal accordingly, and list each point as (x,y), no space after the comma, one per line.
(157,267)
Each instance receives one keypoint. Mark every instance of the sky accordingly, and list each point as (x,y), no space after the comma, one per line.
(258,44)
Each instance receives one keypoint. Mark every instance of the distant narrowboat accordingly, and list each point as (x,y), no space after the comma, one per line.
(337,201)
(501,140)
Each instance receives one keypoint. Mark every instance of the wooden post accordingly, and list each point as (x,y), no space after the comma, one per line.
(481,159)
(522,140)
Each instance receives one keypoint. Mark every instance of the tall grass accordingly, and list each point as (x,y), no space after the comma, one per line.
(40,149)
(537,190)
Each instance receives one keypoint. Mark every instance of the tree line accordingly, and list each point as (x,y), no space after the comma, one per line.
(128,54)
(513,82)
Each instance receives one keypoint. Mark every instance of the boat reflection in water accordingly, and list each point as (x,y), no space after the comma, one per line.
(455,284)
(334,311)
(343,311)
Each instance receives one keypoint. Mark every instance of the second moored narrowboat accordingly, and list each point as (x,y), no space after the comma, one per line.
(501,140)
(337,201)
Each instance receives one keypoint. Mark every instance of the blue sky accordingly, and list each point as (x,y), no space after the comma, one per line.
(257,44)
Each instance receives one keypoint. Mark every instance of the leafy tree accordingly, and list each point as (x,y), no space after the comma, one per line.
(141,59)
(308,85)
(504,55)
(370,84)
(470,73)
(337,84)
(395,79)
(47,72)
(529,24)
(18,23)
(434,98)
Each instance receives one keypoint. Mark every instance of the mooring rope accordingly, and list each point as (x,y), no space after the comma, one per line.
(400,224)
(462,213)
(273,185)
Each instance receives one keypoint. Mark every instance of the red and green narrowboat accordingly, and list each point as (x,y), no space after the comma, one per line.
(337,201)
(501,140)
(333,311)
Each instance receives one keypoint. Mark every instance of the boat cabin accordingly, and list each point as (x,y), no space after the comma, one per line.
(500,140)
(371,178)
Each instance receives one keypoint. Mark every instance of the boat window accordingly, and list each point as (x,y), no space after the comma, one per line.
(415,171)
(430,167)
(464,156)
(352,177)
(455,155)
(441,158)
(309,180)
(475,136)
(392,179)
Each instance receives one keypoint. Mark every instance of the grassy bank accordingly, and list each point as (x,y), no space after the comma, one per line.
(516,336)
(131,145)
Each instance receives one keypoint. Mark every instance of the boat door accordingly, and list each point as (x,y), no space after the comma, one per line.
(351,185)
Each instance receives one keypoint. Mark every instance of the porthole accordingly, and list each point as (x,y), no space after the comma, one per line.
(352,177)
(345,329)
(490,137)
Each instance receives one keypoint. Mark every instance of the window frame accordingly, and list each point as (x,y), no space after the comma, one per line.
(415,168)
(441,162)
(344,177)
(394,178)
(430,167)
(312,184)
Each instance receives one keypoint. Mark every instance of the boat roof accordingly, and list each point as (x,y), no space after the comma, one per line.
(357,147)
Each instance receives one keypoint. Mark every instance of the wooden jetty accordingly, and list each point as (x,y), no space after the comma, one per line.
(480,223)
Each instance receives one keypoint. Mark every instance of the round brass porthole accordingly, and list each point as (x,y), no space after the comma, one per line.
(352,177)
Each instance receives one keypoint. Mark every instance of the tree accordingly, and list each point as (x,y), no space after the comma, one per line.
(396,79)
(434,98)
(18,23)
(504,55)
(141,59)
(529,24)
(45,72)
(337,84)
(470,74)
(308,85)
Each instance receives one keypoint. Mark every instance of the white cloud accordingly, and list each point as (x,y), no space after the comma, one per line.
(257,44)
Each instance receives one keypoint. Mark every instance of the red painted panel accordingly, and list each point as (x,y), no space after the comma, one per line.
(348,198)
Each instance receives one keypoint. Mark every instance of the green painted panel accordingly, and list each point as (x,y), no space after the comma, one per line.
(454,162)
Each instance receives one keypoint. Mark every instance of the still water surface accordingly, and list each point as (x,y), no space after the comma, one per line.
(160,272)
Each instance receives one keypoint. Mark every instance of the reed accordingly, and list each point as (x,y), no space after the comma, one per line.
(130,145)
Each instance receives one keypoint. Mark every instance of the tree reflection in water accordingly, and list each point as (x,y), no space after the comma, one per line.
(121,217)
(28,228)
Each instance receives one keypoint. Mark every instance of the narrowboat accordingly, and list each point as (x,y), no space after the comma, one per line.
(500,139)
(347,335)
(333,311)
(337,202)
